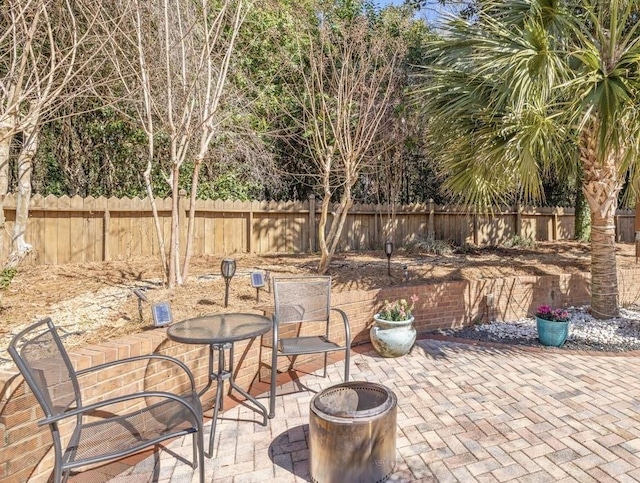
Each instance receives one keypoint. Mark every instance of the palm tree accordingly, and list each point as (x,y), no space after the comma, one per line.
(530,84)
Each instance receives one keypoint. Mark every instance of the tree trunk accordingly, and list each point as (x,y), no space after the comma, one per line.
(174,238)
(6,136)
(330,245)
(582,220)
(156,222)
(601,185)
(325,257)
(192,214)
(604,276)
(25,163)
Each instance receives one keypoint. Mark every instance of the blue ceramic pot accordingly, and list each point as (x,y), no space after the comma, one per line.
(392,338)
(551,332)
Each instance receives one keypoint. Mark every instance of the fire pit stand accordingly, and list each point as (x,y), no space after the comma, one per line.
(352,433)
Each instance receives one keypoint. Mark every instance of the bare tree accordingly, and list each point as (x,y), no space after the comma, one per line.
(347,93)
(45,46)
(173,60)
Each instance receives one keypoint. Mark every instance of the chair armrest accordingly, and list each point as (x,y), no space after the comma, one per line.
(347,328)
(106,365)
(119,399)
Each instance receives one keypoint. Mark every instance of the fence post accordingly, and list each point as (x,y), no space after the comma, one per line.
(106,221)
(431,232)
(475,226)
(250,229)
(518,219)
(312,223)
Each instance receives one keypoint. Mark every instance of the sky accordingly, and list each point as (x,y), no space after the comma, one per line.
(430,13)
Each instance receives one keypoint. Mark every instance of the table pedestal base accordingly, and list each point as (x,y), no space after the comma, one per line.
(225,373)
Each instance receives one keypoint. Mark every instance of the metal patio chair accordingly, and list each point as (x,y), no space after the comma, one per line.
(304,301)
(103,431)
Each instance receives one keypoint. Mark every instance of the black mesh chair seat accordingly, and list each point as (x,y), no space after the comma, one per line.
(108,438)
(305,302)
(103,430)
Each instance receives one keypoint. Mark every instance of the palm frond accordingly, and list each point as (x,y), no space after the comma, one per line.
(508,94)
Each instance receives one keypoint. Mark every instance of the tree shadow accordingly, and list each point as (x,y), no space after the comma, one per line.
(287,450)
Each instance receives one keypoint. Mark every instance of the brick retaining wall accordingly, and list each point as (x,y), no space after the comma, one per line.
(26,453)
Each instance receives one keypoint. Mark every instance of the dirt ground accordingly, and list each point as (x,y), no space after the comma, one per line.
(95,301)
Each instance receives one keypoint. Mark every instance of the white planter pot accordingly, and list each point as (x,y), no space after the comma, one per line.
(391,338)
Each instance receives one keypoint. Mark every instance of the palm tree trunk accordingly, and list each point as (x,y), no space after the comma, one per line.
(604,276)
(582,223)
(601,185)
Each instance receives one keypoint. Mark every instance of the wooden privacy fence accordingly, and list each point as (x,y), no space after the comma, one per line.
(63,229)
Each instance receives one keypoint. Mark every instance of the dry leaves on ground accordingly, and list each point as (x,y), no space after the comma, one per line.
(95,301)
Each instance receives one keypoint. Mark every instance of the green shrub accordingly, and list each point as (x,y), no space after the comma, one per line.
(6,276)
(518,241)
(429,244)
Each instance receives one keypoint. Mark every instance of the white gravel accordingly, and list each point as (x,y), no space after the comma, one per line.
(585,332)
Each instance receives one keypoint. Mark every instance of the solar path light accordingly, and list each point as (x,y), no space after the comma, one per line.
(228,270)
(257,282)
(388,250)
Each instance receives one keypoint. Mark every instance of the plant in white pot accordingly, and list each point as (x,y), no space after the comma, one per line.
(392,333)
(552,325)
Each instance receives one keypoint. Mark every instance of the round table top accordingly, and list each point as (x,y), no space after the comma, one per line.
(219,328)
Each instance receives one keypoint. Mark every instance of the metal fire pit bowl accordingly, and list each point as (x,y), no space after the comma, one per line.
(352,433)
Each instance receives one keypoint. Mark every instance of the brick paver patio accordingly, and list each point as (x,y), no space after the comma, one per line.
(465,413)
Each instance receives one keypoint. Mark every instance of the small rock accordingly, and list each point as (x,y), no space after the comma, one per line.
(585,333)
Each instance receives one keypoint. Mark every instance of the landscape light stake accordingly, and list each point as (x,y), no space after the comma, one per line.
(388,250)
(141,298)
(228,270)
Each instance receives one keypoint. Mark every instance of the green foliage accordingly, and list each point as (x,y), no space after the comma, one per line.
(428,244)
(229,186)
(90,149)
(101,153)
(398,309)
(6,276)
(97,153)
(269,46)
(518,241)
(508,94)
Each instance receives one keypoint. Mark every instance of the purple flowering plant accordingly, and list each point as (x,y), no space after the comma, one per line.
(398,310)
(555,315)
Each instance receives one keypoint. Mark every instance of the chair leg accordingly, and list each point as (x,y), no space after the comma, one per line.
(272,389)
(200,438)
(325,364)
(194,443)
(347,360)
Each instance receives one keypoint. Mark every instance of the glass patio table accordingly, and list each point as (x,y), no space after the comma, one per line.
(220,332)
